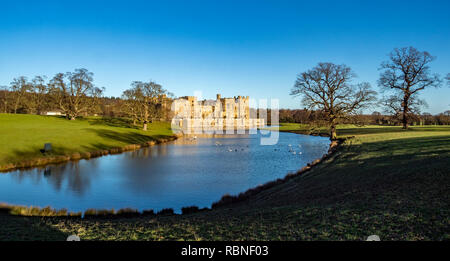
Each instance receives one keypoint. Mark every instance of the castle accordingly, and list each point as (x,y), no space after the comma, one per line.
(192,115)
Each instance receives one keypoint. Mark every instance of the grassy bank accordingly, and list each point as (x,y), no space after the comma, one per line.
(384,181)
(22,137)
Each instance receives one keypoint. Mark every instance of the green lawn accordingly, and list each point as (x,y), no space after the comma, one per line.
(384,181)
(23,136)
(350,130)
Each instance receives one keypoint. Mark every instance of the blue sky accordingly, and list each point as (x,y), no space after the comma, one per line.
(253,48)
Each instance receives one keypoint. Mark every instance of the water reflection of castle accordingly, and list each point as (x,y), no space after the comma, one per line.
(222,113)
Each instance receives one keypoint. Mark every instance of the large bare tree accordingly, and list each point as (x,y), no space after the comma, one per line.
(19,88)
(143,101)
(131,106)
(328,87)
(75,93)
(404,75)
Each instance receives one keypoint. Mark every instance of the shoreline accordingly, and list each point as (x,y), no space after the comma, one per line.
(225,200)
(59,159)
(228,200)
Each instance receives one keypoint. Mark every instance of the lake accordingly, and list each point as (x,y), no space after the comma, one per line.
(181,173)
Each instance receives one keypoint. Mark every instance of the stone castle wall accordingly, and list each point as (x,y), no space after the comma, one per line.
(222,113)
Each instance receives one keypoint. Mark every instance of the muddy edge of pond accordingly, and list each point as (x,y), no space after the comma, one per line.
(57,159)
(226,200)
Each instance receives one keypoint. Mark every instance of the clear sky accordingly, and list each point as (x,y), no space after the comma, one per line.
(253,48)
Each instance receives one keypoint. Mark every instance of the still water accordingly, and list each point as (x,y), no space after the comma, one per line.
(181,173)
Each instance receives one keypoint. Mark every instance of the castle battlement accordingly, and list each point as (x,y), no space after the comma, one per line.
(219,113)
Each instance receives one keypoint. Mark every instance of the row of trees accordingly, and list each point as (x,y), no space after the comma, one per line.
(73,94)
(305,116)
(329,88)
(24,96)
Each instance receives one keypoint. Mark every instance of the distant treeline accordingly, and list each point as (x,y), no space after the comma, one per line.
(31,102)
(73,94)
(305,116)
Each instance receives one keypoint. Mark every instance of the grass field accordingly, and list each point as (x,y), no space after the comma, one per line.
(384,181)
(23,136)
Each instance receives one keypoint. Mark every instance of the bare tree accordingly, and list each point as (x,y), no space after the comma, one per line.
(328,87)
(131,105)
(19,87)
(37,95)
(5,96)
(144,101)
(448,79)
(75,93)
(405,74)
(393,105)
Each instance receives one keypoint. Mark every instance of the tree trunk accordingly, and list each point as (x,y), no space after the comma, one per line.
(405,114)
(333,135)
(16,104)
(145,126)
(145,118)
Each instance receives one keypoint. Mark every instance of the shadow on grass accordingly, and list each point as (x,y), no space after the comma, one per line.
(18,228)
(406,174)
(128,137)
(32,156)
(24,158)
(113,122)
(408,148)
